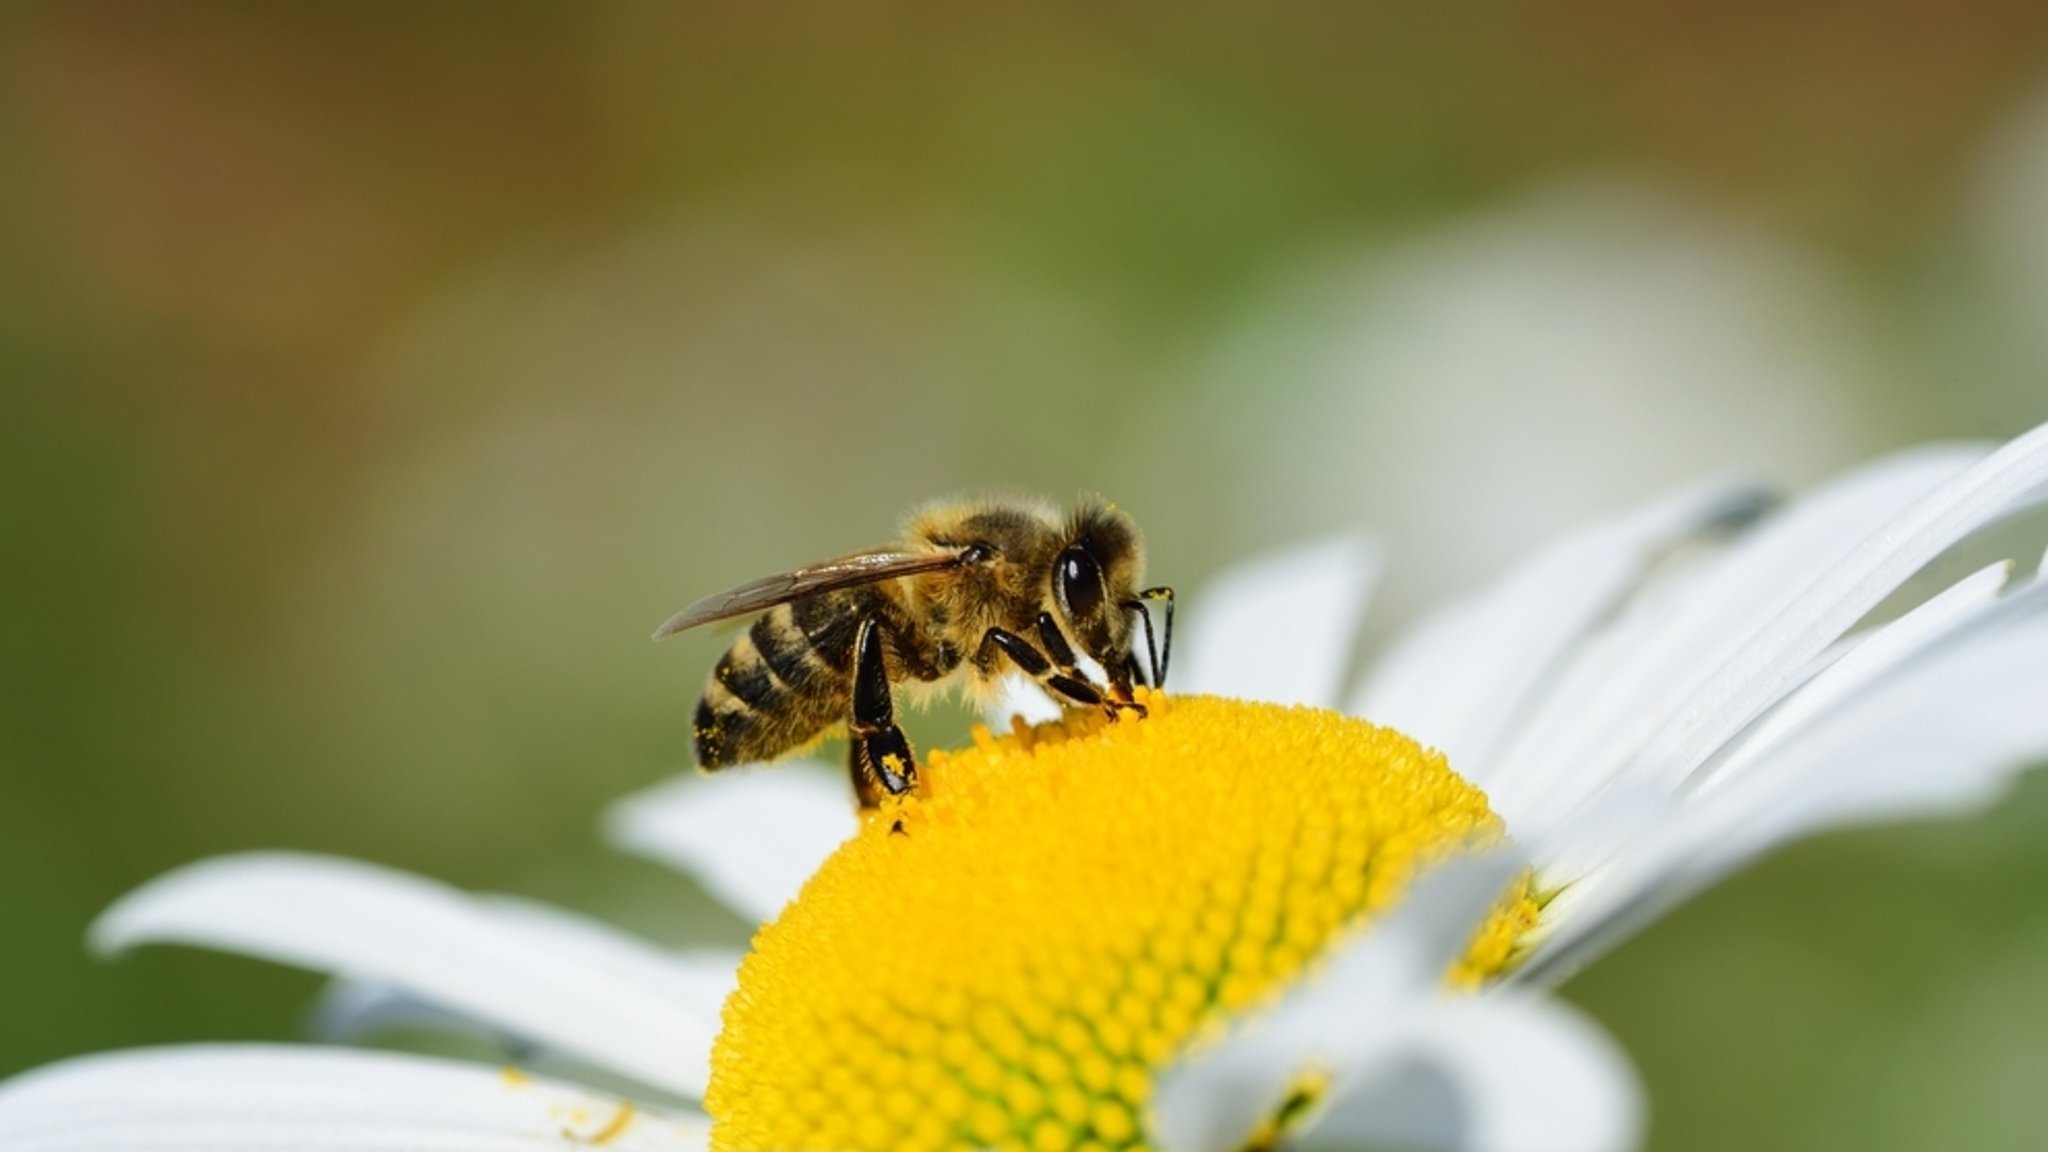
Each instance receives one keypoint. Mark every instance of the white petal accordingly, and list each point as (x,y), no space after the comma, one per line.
(1945,734)
(1463,675)
(1617,691)
(593,993)
(1279,627)
(751,837)
(351,1009)
(267,1098)
(1941,734)
(1758,671)
(1213,1099)
(1874,656)
(348,1010)
(1503,1072)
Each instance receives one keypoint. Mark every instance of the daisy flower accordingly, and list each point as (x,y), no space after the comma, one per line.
(1271,914)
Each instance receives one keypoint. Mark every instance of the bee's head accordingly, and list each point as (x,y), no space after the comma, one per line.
(1094,581)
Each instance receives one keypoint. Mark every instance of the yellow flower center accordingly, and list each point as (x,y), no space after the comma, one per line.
(1008,960)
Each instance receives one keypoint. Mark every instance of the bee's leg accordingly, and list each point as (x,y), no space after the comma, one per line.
(1063,658)
(1163,654)
(1035,665)
(879,755)
(1124,675)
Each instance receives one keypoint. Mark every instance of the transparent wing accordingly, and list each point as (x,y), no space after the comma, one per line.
(844,572)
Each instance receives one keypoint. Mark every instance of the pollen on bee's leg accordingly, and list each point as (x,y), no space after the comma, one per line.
(1067,909)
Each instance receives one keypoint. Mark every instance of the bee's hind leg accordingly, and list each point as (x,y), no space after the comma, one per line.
(878,755)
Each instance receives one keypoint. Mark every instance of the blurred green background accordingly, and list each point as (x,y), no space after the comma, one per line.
(374,376)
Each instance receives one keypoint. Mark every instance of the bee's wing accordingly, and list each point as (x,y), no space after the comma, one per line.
(844,572)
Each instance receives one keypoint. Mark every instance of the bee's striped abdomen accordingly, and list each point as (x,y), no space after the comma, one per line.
(783,682)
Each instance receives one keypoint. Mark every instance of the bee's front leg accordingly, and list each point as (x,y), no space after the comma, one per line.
(879,755)
(1058,673)
(1055,642)
(1161,654)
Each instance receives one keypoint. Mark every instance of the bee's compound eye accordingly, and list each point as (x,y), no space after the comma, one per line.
(1079,582)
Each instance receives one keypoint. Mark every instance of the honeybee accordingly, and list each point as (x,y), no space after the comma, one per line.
(971,590)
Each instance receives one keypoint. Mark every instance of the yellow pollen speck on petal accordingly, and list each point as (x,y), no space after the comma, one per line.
(1009,959)
(614,1127)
